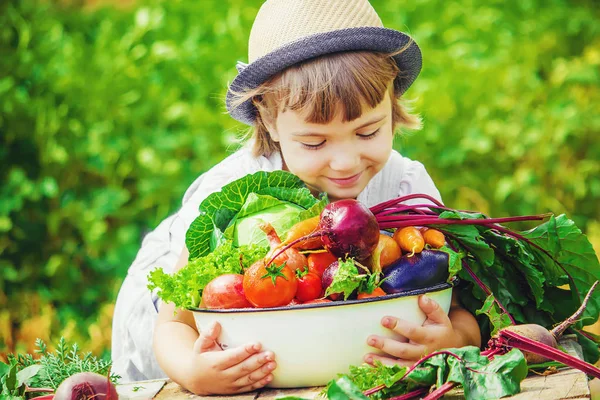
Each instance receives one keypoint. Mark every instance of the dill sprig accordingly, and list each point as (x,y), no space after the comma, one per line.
(67,360)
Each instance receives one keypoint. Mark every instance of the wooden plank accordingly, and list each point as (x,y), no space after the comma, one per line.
(305,393)
(173,391)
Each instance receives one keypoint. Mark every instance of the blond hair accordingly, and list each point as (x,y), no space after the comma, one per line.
(320,86)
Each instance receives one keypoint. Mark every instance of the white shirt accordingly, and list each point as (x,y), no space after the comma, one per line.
(136,307)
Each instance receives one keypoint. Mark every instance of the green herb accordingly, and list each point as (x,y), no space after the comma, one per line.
(346,279)
(184,288)
(233,213)
(50,369)
(137,388)
(480,378)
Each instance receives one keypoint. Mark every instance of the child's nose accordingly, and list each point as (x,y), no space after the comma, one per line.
(345,159)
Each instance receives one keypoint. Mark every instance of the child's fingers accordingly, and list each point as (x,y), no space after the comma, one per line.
(256,385)
(408,329)
(252,364)
(207,339)
(230,357)
(255,376)
(406,351)
(370,358)
(435,314)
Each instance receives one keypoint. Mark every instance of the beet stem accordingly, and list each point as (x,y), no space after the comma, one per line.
(381,206)
(511,339)
(39,390)
(376,389)
(482,285)
(292,243)
(410,395)
(559,329)
(439,392)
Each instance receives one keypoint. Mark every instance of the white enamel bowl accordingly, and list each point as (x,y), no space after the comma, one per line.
(313,343)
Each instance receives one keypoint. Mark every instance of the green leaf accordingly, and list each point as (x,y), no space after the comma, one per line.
(572,250)
(346,279)
(345,389)
(24,376)
(244,227)
(498,319)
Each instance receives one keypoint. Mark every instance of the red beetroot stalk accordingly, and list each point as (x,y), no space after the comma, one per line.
(400,221)
(382,206)
(510,339)
(410,395)
(439,392)
(376,389)
(560,328)
(482,285)
(38,390)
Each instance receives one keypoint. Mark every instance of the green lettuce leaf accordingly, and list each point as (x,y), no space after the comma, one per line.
(184,287)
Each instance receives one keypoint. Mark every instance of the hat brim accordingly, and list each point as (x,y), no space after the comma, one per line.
(349,39)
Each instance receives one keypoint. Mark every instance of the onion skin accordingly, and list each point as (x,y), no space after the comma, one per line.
(86,386)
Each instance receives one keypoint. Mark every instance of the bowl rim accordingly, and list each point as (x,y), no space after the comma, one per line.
(413,292)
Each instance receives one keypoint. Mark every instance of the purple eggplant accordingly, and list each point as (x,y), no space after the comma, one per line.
(420,270)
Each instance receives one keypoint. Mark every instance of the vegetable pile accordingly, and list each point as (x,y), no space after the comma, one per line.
(335,255)
(516,282)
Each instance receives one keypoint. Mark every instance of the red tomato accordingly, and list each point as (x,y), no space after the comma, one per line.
(271,286)
(309,286)
(318,262)
(225,291)
(376,293)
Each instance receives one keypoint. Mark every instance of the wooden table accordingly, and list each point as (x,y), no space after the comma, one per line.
(567,383)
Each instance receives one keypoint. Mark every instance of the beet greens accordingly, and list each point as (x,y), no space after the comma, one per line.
(523,272)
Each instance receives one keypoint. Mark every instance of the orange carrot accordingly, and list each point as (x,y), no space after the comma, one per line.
(434,238)
(390,250)
(410,240)
(304,228)
(376,293)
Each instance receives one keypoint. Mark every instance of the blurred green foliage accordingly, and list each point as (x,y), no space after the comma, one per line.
(107,115)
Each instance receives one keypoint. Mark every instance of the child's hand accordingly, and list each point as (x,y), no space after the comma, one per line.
(435,333)
(235,370)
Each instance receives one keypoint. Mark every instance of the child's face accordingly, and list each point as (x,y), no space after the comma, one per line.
(339,158)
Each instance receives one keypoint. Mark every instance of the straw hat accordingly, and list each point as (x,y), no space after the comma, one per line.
(286,32)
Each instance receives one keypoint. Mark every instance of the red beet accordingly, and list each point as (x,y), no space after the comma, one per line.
(86,386)
(347,228)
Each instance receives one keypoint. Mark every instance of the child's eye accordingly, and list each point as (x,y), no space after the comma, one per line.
(313,146)
(369,135)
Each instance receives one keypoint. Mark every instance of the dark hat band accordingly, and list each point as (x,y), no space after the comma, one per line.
(349,39)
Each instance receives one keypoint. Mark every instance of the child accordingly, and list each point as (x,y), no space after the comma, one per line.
(322,93)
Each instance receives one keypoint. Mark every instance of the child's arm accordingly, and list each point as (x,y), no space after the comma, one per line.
(196,361)
(458,328)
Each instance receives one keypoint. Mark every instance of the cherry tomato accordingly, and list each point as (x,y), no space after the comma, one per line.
(225,291)
(309,286)
(271,286)
(318,262)
(376,293)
